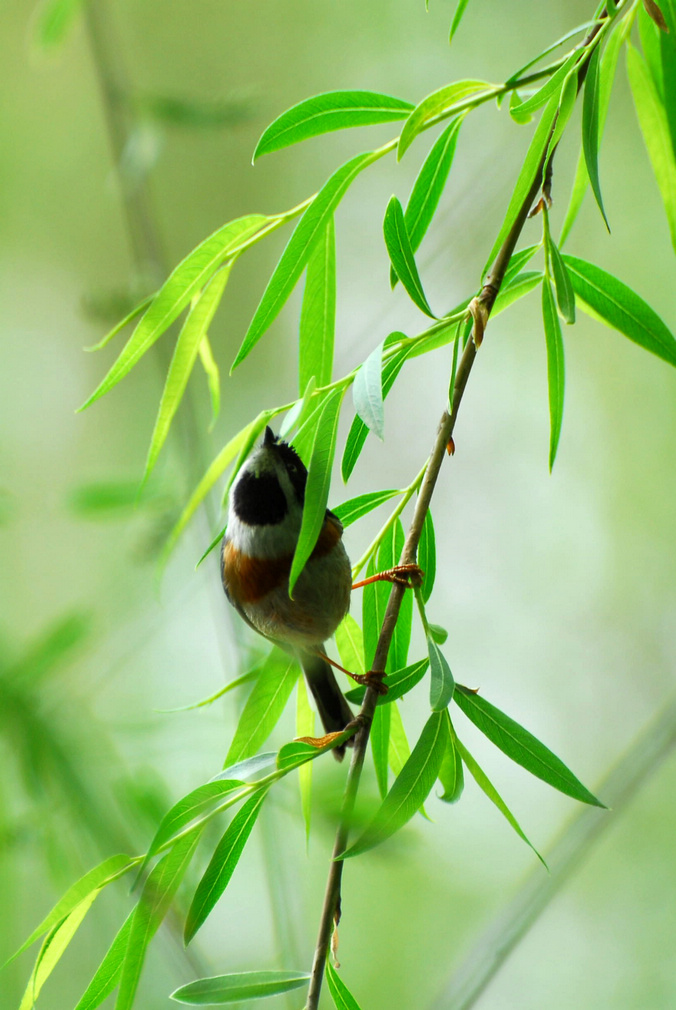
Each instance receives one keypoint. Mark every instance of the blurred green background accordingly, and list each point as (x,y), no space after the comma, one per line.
(559,592)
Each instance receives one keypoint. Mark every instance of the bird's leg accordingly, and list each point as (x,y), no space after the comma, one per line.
(409,576)
(374,678)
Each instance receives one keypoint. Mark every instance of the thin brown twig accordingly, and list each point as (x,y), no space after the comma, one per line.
(481,310)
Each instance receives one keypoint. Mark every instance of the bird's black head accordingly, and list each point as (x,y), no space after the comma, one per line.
(271,483)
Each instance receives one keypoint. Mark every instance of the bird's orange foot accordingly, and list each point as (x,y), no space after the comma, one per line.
(374,679)
(409,576)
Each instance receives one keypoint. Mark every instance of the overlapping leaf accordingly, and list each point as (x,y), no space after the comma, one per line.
(555,367)
(318,313)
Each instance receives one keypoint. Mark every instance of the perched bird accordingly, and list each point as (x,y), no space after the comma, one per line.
(264,520)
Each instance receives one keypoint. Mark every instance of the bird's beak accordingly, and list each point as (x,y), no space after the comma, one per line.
(269,438)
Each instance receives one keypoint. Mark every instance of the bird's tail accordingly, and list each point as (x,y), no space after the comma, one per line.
(333,709)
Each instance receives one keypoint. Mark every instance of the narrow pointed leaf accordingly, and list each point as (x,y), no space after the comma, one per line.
(442,683)
(450,771)
(264,706)
(555,367)
(110,869)
(185,354)
(565,295)
(550,49)
(158,893)
(518,288)
(522,111)
(654,125)
(590,128)
(401,255)
(389,554)
(333,110)
(318,313)
(318,484)
(300,247)
(367,392)
(129,318)
(399,683)
(380,746)
(250,769)
(245,986)
(567,101)
(302,408)
(183,283)
(427,556)
(399,751)
(305,726)
(493,795)
(438,102)
(107,974)
(340,994)
(529,170)
(517,262)
(213,378)
(359,431)
(430,183)
(222,865)
(457,17)
(621,308)
(409,790)
(349,511)
(350,642)
(521,746)
(53,949)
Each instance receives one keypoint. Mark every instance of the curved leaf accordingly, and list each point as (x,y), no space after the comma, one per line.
(590,127)
(333,110)
(349,511)
(442,684)
(246,986)
(107,974)
(367,392)
(318,313)
(433,105)
(427,556)
(340,994)
(429,185)
(401,255)
(555,367)
(399,683)
(264,706)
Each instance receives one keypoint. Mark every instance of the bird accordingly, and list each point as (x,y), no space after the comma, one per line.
(265,512)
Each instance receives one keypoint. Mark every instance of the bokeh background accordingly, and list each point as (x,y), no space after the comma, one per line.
(559,592)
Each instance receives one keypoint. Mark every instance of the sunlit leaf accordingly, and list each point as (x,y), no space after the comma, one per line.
(318,484)
(518,288)
(493,795)
(333,110)
(129,318)
(349,511)
(367,392)
(380,746)
(300,247)
(222,864)
(107,974)
(350,643)
(399,683)
(457,18)
(442,683)
(213,377)
(53,949)
(522,111)
(249,769)
(183,283)
(450,771)
(401,255)
(185,354)
(409,790)
(517,262)
(157,895)
(555,367)
(340,994)
(399,751)
(656,135)
(264,706)
(621,308)
(438,102)
(318,313)
(244,986)
(590,127)
(550,49)
(300,410)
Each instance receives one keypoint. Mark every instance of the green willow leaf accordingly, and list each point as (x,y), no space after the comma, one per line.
(158,893)
(53,948)
(247,985)
(521,746)
(213,375)
(555,367)
(522,111)
(621,308)
(305,726)
(427,556)
(654,125)
(299,248)
(442,684)
(340,994)
(565,295)
(567,102)
(409,790)
(264,706)
(457,18)
(249,769)
(389,554)
(349,511)
(333,110)
(493,795)
(350,643)
(399,751)
(399,683)
(107,974)
(518,288)
(301,409)
(429,185)
(550,49)
(318,484)
(110,869)
(318,313)
(359,431)
(451,774)
(222,864)
(590,128)
(185,354)
(183,283)
(438,102)
(527,175)
(667,41)
(239,445)
(367,392)
(380,746)
(401,255)
(517,262)
(134,314)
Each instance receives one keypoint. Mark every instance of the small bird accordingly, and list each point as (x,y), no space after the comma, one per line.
(264,520)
